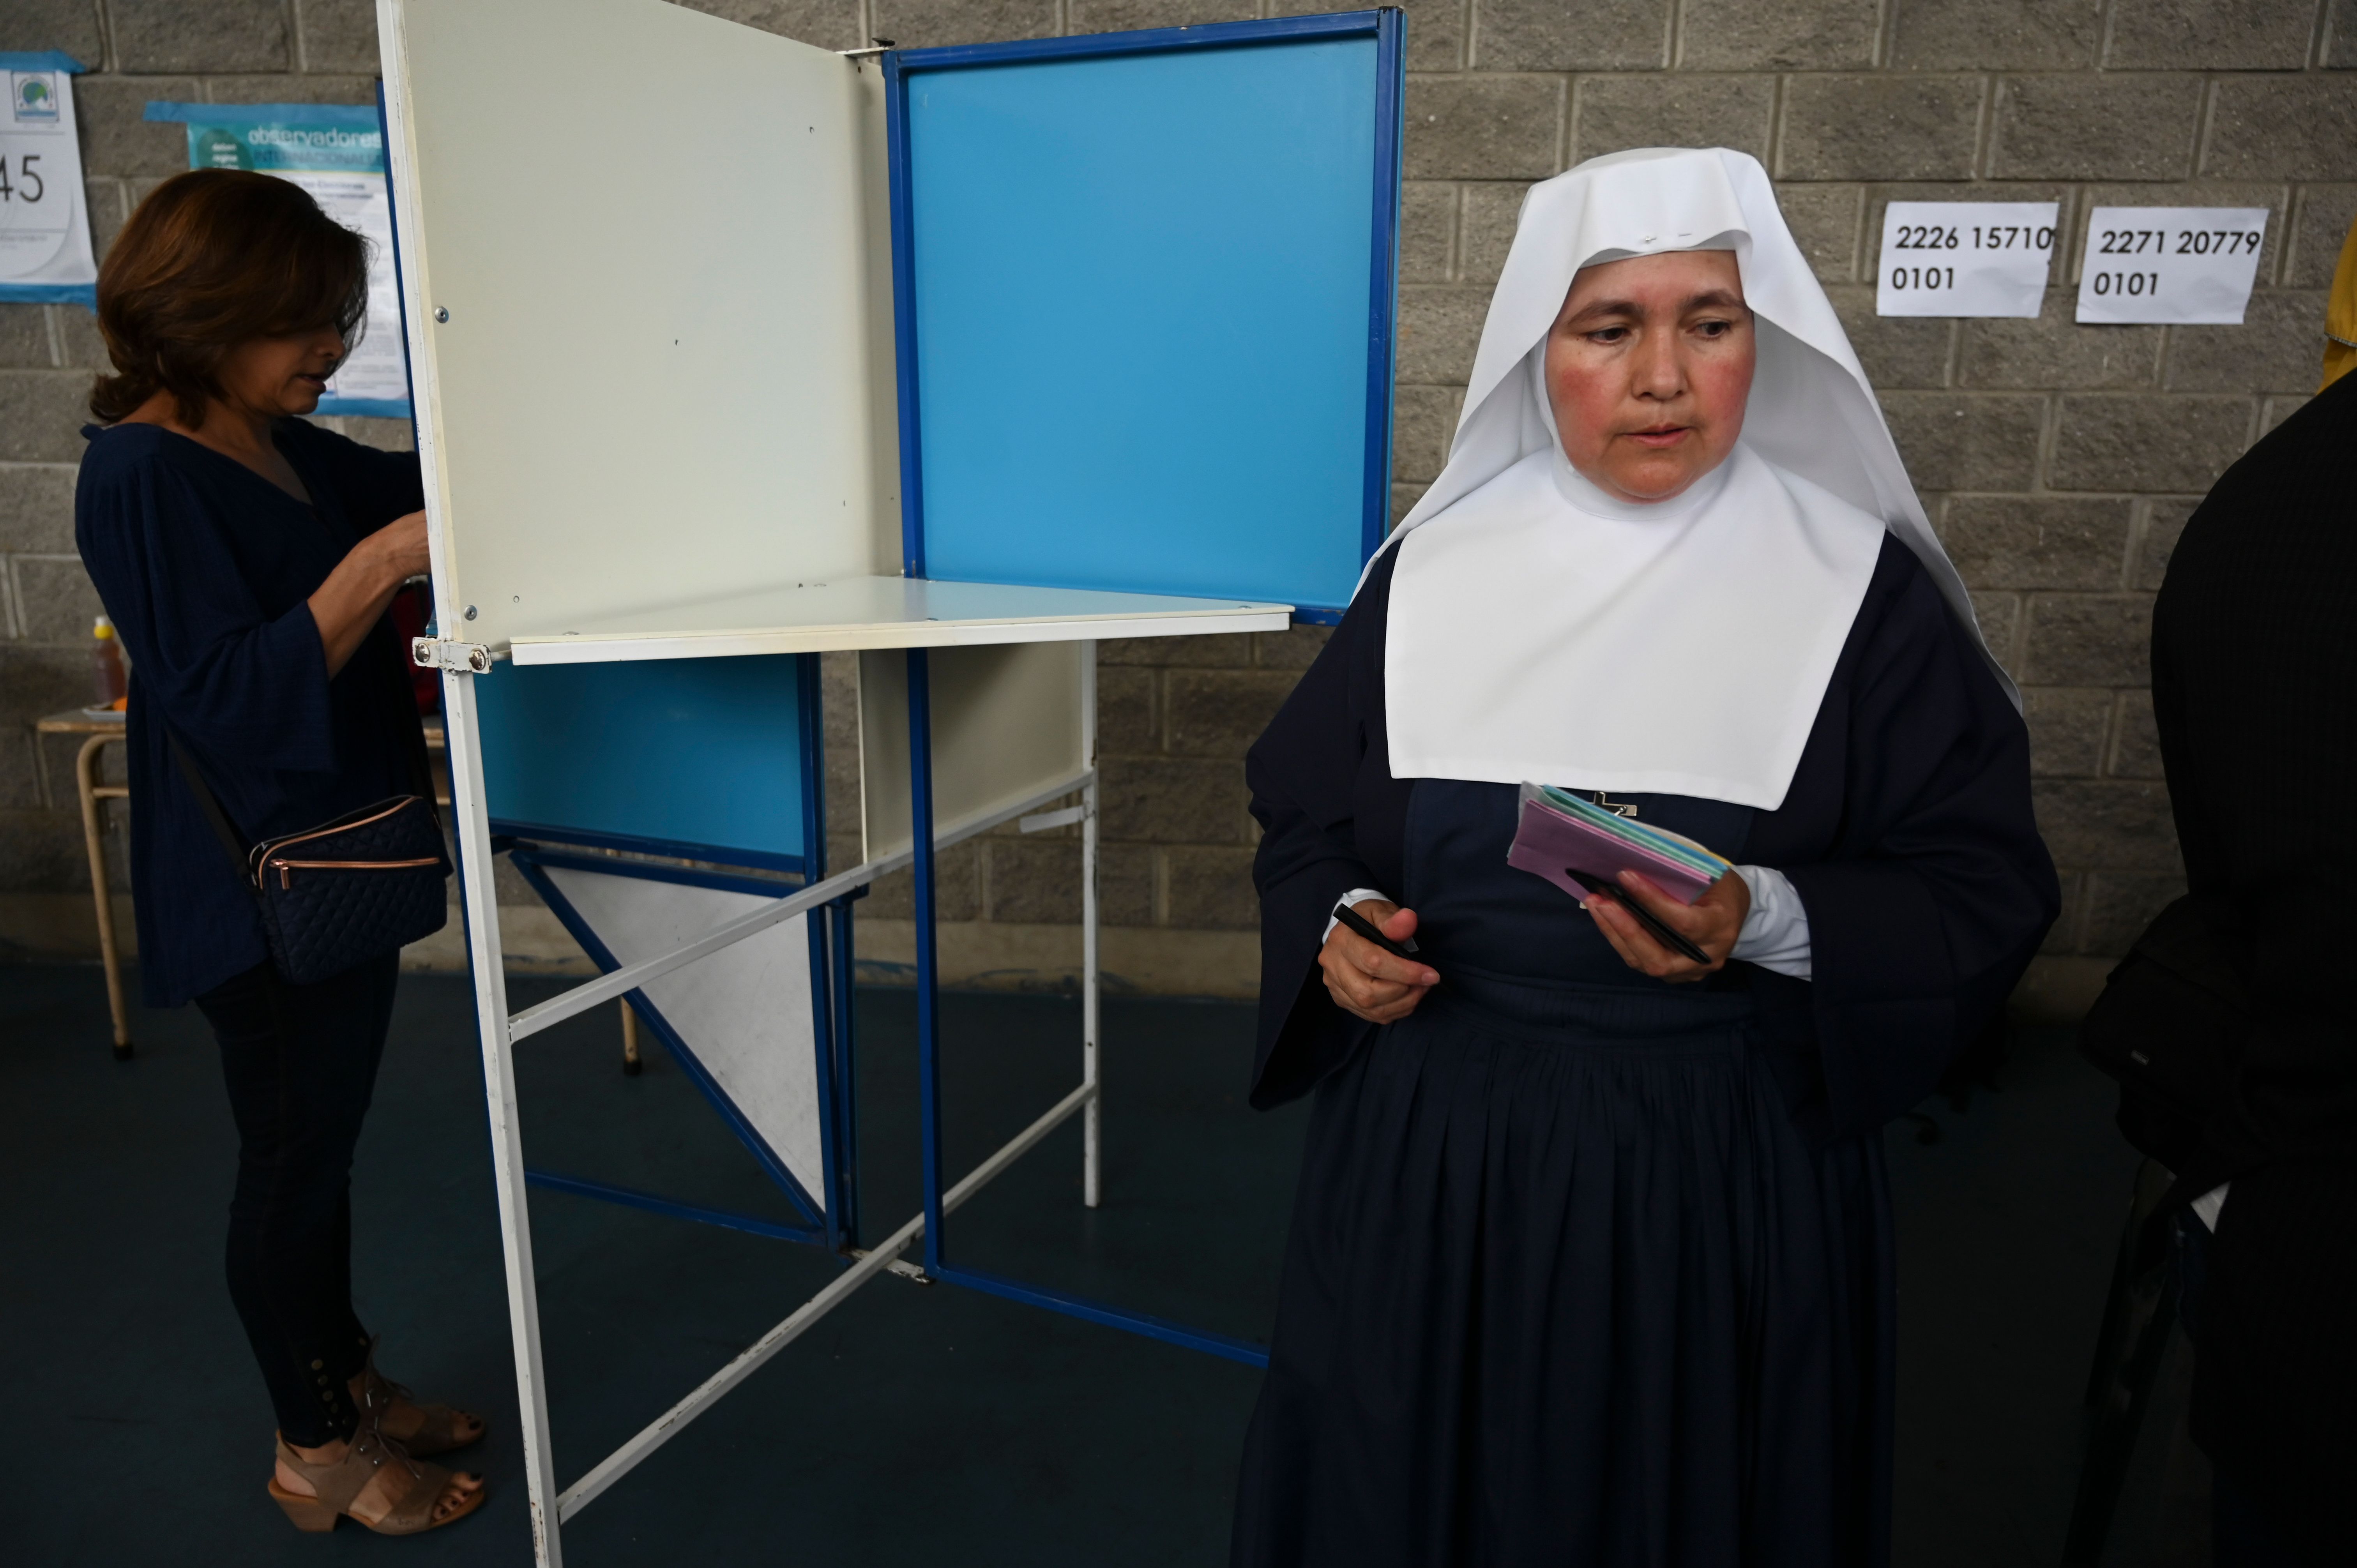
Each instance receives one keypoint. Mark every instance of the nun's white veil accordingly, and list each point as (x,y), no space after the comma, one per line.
(1812,417)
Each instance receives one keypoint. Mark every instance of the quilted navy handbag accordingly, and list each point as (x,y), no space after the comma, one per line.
(351,889)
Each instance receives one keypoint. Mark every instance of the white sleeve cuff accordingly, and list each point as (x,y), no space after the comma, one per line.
(1775,934)
(2206,1206)
(1353,898)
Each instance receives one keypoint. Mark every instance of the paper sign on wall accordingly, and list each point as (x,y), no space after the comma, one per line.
(2170,263)
(1965,258)
(45,252)
(336,153)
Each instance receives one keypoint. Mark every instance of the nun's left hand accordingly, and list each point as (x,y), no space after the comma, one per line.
(1711,923)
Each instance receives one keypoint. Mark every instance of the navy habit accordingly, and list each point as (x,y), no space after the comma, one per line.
(1587,1269)
(204,567)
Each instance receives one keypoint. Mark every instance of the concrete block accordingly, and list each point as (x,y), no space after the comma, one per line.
(2340,34)
(1209,889)
(1034,881)
(115,140)
(1788,35)
(2135,739)
(2095,127)
(41,416)
(1499,127)
(25,337)
(1404,499)
(1153,799)
(1487,231)
(921,24)
(1128,16)
(1435,34)
(385,434)
(224,35)
(2127,442)
(2279,347)
(1572,34)
(2107,825)
(1897,350)
(1439,328)
(2037,542)
(2276,410)
(338,34)
(2068,728)
(2190,193)
(1824,223)
(957,891)
(1966,442)
(1126,722)
(2088,639)
(36,515)
(354,90)
(2119,908)
(2163,522)
(1231,650)
(67,25)
(2282,127)
(1995,34)
(2055,351)
(2062,936)
(79,345)
(33,682)
(1295,648)
(1612,113)
(1427,230)
(2319,228)
(41,852)
(1423,421)
(2203,35)
(108,209)
(1220,713)
(1999,615)
(1124,885)
(1880,127)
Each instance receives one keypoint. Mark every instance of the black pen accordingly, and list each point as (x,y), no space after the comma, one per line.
(1645,918)
(1365,927)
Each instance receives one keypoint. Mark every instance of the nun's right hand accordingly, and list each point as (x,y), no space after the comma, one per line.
(1368,983)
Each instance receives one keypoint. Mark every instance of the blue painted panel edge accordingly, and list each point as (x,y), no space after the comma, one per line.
(655,1203)
(904,316)
(1382,292)
(1144,40)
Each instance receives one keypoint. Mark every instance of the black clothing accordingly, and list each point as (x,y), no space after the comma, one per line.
(1587,1269)
(300,1062)
(2254,691)
(204,567)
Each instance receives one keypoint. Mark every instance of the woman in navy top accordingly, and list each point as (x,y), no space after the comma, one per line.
(247,559)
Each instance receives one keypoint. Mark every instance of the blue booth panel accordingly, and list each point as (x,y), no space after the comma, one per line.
(703,758)
(1145,290)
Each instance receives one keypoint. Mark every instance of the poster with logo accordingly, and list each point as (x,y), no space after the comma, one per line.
(45,253)
(336,153)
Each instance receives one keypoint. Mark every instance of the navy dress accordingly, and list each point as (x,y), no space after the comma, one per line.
(1587,1269)
(205,568)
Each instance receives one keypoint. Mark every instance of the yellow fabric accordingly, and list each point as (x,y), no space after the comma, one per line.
(2341,315)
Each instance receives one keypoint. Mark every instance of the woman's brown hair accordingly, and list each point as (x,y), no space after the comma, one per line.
(214,258)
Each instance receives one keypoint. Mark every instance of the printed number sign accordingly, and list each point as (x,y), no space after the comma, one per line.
(1965,258)
(43,228)
(2170,263)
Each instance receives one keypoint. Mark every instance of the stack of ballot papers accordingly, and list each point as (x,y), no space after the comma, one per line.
(1560,833)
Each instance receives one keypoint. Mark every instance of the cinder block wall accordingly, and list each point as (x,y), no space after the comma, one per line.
(2059,461)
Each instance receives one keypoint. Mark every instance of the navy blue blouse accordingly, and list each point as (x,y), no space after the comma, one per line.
(204,566)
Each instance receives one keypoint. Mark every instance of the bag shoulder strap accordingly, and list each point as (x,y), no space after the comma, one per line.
(210,804)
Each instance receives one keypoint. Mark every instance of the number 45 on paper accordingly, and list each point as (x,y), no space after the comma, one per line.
(1965,258)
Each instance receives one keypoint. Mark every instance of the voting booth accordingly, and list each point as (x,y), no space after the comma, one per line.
(964,358)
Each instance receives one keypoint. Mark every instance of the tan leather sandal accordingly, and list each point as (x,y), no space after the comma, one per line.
(338,1485)
(438,1432)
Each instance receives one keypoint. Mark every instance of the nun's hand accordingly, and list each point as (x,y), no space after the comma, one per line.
(1711,923)
(1368,983)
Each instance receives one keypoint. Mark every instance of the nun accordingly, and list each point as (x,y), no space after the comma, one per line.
(1591,1260)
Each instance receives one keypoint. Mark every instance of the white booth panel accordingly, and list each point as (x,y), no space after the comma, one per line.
(1006,725)
(649,323)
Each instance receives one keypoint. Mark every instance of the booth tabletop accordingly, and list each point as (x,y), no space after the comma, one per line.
(889,612)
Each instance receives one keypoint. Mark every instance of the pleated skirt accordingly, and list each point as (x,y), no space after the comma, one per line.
(1565,1287)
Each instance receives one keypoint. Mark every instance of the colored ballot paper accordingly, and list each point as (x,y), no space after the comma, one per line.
(336,153)
(2170,263)
(1560,833)
(1965,258)
(45,255)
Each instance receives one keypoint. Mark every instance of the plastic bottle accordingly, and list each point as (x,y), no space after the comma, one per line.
(109,684)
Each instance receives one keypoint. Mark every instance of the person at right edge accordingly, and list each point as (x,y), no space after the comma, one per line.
(1591,1260)
(2254,691)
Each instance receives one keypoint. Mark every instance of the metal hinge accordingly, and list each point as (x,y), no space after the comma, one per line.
(434,653)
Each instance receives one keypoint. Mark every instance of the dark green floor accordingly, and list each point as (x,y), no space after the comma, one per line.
(916,1424)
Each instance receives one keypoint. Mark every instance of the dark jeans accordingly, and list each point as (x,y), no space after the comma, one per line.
(2238,1532)
(300,1062)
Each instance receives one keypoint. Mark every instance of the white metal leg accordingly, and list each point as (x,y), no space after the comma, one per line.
(1090,1162)
(472,821)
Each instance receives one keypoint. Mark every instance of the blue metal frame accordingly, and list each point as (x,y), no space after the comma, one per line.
(1387,26)
(655,1203)
(928,1081)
